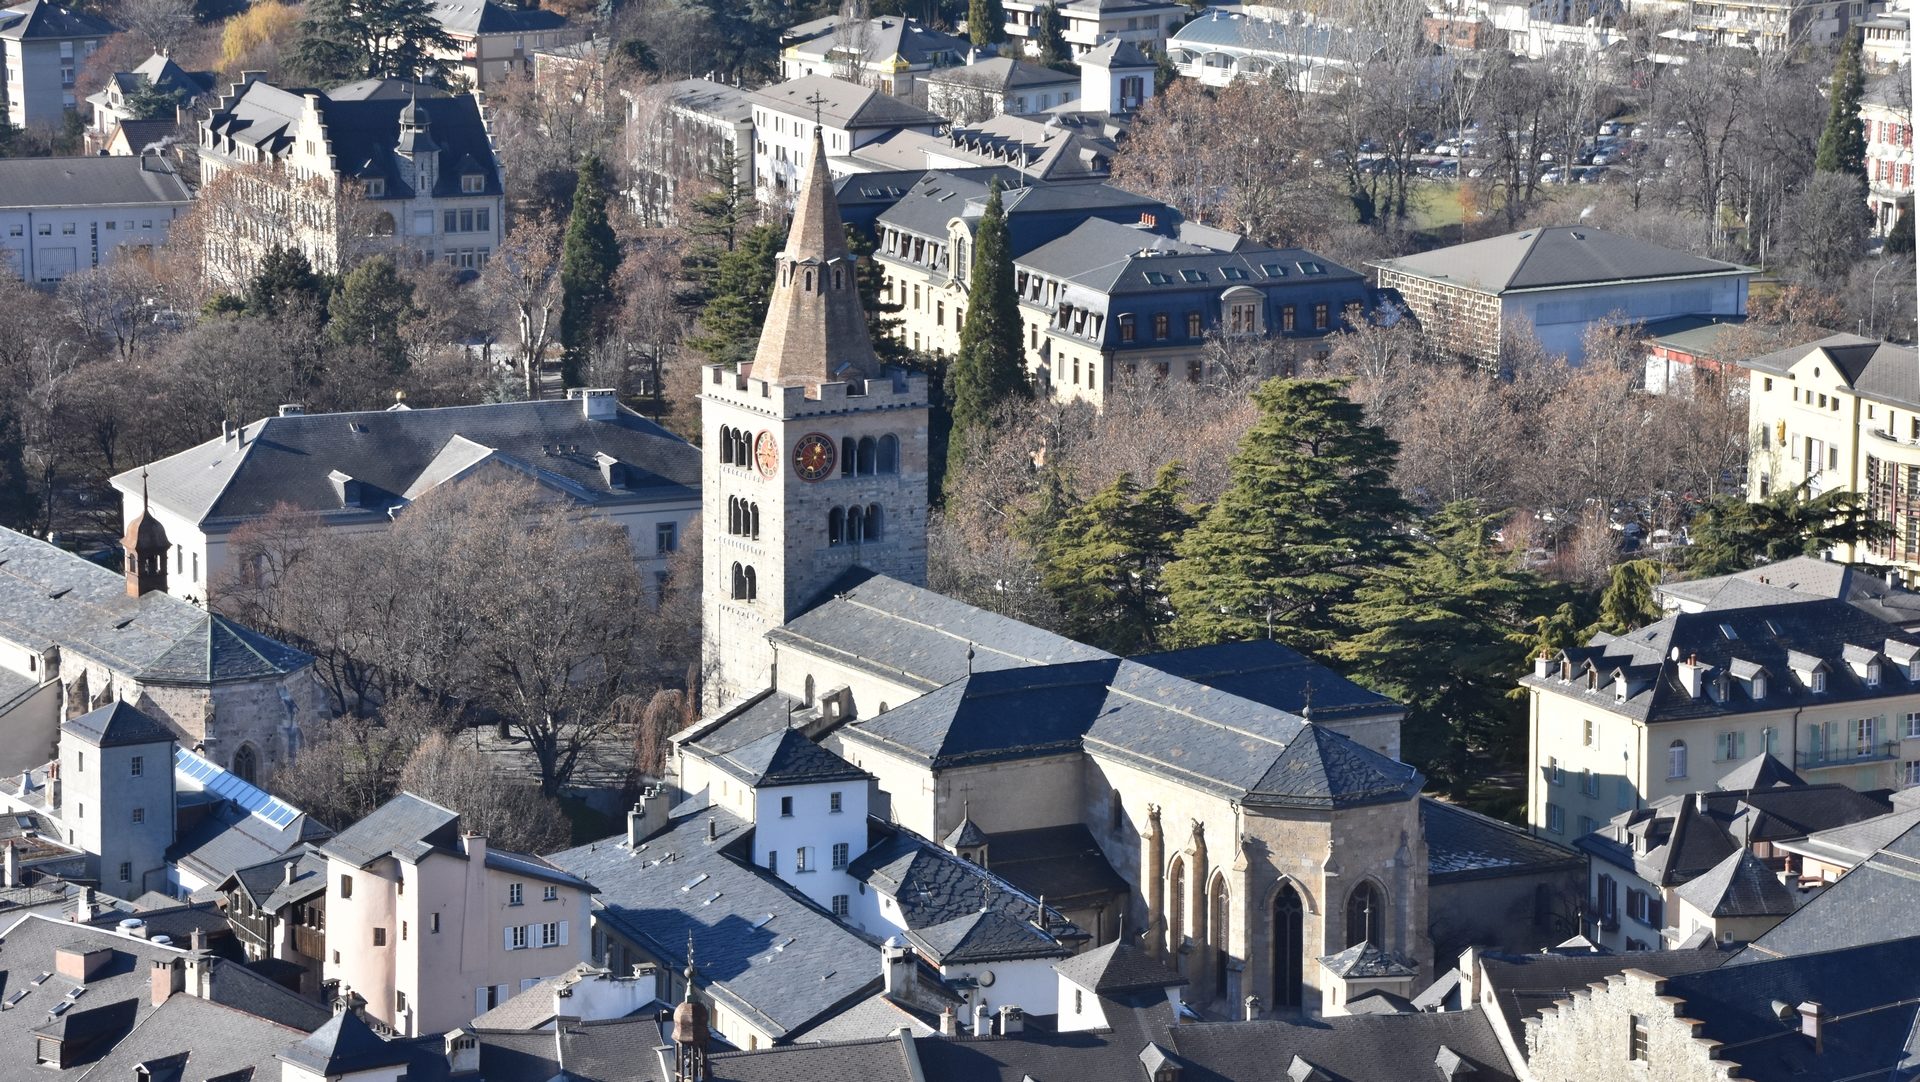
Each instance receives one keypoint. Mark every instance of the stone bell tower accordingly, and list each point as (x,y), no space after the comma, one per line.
(815,458)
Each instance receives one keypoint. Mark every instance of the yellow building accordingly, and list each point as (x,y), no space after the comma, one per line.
(1843,413)
(1629,719)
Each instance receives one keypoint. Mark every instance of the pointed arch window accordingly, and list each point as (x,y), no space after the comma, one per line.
(1366,916)
(246,764)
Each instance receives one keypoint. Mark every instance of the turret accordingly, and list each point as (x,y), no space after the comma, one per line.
(146,547)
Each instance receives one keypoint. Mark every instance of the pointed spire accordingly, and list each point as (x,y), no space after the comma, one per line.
(816,331)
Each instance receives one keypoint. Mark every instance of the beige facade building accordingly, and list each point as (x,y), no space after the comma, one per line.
(1842,414)
(433,928)
(494,42)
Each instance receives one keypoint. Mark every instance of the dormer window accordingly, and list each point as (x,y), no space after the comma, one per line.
(1620,688)
(1760,686)
(1817,681)
(1873,674)
(376,186)
(473,183)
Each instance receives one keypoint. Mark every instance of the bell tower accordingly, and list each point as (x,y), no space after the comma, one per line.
(815,457)
(145,548)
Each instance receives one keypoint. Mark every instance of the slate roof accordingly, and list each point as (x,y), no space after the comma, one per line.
(821,967)
(1275,675)
(1762,636)
(707,98)
(1097,257)
(129,180)
(469,17)
(1796,579)
(1358,1048)
(965,836)
(1763,771)
(1677,838)
(1364,961)
(884,40)
(1873,368)
(388,452)
(1003,74)
(984,936)
(1859,909)
(1848,845)
(1119,966)
(788,758)
(942,898)
(201,1040)
(1116,54)
(1463,845)
(37,20)
(344,1045)
(50,597)
(1524,985)
(116,725)
(266,884)
(407,827)
(1063,864)
(844,105)
(1556,257)
(1739,886)
(1270,36)
(941,195)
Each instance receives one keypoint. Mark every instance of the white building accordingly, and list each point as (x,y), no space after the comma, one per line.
(1886,111)
(59,216)
(494,41)
(587,449)
(431,927)
(998,84)
(1087,23)
(889,52)
(1266,43)
(42,48)
(689,133)
(848,116)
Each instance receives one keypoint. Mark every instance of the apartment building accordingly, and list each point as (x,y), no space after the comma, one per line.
(848,115)
(1886,111)
(891,53)
(686,135)
(1087,23)
(61,216)
(42,49)
(494,41)
(1775,24)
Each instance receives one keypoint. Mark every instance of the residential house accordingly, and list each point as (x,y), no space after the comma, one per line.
(890,53)
(75,637)
(61,216)
(112,111)
(1886,112)
(42,48)
(1841,414)
(1876,592)
(431,926)
(1864,907)
(848,116)
(585,993)
(1708,866)
(1088,23)
(1775,24)
(1107,304)
(1825,855)
(355,470)
(495,41)
(1886,39)
(992,85)
(373,165)
(1557,281)
(1629,719)
(278,912)
(1268,43)
(687,136)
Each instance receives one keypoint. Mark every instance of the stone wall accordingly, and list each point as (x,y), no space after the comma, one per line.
(1589,1038)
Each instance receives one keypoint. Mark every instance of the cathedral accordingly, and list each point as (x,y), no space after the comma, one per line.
(1247,803)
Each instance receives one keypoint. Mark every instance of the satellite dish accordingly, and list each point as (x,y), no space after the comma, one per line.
(985,978)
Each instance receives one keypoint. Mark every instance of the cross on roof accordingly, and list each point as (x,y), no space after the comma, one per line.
(816,99)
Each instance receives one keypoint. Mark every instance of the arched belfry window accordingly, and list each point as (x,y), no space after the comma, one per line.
(887,457)
(753,585)
(866,450)
(836,527)
(873,522)
(1366,916)
(856,526)
(849,455)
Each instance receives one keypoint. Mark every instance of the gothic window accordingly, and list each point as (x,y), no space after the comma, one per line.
(1288,919)
(1176,905)
(743,584)
(1366,916)
(1116,811)
(1217,909)
(836,527)
(866,448)
(246,765)
(873,522)
(733,514)
(808,284)
(887,456)
(726,446)
(836,277)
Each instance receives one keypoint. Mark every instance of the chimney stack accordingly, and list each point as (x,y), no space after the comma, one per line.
(713,829)
(1252,1007)
(949,1026)
(10,870)
(982,1021)
(83,910)
(197,939)
(896,969)
(164,980)
(1013,1020)
(1810,1013)
(289,871)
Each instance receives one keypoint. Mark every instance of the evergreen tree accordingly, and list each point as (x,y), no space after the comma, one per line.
(990,366)
(1900,237)
(1103,562)
(1050,35)
(739,291)
(1309,509)
(589,258)
(1437,633)
(284,282)
(19,504)
(882,316)
(1731,534)
(344,40)
(1843,144)
(1627,603)
(149,102)
(986,22)
(366,313)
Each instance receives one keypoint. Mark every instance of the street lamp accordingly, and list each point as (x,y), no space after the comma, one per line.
(1873,294)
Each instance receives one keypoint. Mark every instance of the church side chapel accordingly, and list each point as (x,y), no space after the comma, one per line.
(1238,810)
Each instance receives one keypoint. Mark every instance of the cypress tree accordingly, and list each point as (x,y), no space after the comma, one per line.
(1103,562)
(1843,144)
(986,22)
(1308,511)
(588,261)
(990,366)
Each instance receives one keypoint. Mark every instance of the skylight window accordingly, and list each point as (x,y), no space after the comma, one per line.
(1234,274)
(1157,278)
(1310,267)
(1727,631)
(1274,270)
(1194,275)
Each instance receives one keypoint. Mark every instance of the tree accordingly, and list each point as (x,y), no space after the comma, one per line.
(986,22)
(524,278)
(366,314)
(1437,632)
(251,39)
(1843,142)
(1900,237)
(163,24)
(739,291)
(1627,603)
(1103,562)
(990,366)
(508,811)
(1308,510)
(344,40)
(589,258)
(1050,36)
(1731,534)
(149,102)
(285,282)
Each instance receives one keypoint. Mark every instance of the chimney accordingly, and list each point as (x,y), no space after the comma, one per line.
(1252,1008)
(289,871)
(197,939)
(1543,665)
(1013,1020)
(226,431)
(10,870)
(1040,913)
(1810,1023)
(948,1026)
(647,817)
(463,1053)
(982,1021)
(713,829)
(476,846)
(896,969)
(1691,674)
(165,979)
(596,403)
(291,409)
(199,982)
(83,910)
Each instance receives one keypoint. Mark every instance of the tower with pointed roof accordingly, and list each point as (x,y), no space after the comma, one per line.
(815,456)
(145,547)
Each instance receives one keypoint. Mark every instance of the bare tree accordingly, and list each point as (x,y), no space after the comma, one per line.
(512,813)
(523,278)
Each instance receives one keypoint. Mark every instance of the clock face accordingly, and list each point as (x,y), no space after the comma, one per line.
(813,457)
(766,454)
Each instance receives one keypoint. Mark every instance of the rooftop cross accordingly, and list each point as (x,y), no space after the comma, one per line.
(816,99)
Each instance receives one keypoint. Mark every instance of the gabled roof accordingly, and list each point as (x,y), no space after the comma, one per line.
(1849,845)
(1104,259)
(1119,966)
(1762,771)
(1464,845)
(37,20)
(844,105)
(407,827)
(1881,893)
(886,40)
(1524,985)
(985,936)
(1003,74)
(1116,54)
(1739,886)
(486,17)
(941,898)
(1874,368)
(1365,961)
(1677,838)
(1556,257)
(789,758)
(128,180)
(967,835)
(118,724)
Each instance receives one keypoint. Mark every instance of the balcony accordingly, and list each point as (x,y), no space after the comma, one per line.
(1847,756)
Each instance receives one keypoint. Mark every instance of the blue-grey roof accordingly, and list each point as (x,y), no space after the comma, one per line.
(37,20)
(984,936)
(117,724)
(1556,257)
(268,886)
(1271,36)
(940,196)
(1464,845)
(940,895)
(1860,909)
(1739,886)
(288,459)
(345,1045)
(1119,966)
(407,827)
(209,1040)
(1118,260)
(1364,961)
(227,838)
(1525,985)
(1274,675)
(50,597)
(1062,863)
(488,17)
(124,180)
(762,949)
(788,758)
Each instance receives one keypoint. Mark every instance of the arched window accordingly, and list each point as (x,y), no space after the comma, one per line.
(866,456)
(836,277)
(726,446)
(1288,952)
(1366,916)
(1217,917)
(739,583)
(1677,759)
(733,514)
(856,526)
(246,764)
(753,523)
(1116,811)
(808,286)
(836,527)
(873,522)
(753,586)
(849,450)
(887,458)
(1176,907)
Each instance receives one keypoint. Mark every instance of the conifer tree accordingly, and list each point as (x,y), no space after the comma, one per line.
(990,367)
(986,22)
(1843,144)
(285,281)
(365,314)
(1628,603)
(1050,36)
(344,40)
(1104,560)
(739,290)
(1440,633)
(1900,237)
(1308,510)
(1731,534)
(588,260)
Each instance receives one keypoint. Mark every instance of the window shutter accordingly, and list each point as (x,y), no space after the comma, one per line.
(563,933)
(480,1001)
(508,935)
